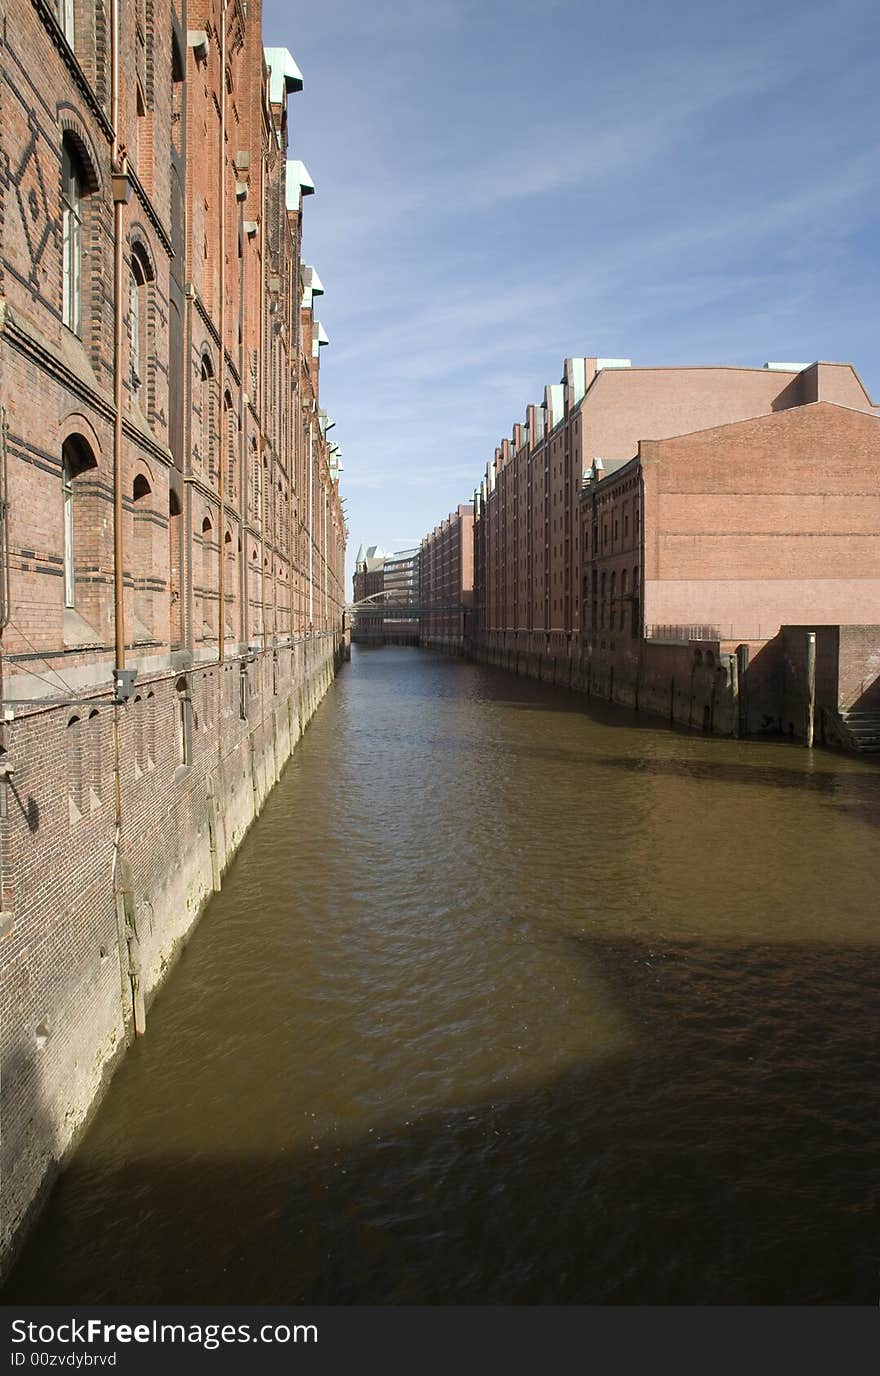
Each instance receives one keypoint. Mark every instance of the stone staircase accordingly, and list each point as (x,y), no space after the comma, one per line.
(863,730)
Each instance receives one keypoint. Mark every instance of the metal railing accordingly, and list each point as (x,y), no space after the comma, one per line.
(718,631)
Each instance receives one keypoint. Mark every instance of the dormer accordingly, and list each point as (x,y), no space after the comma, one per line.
(298,183)
(284,76)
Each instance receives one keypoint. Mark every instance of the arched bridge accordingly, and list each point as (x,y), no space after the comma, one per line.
(391,603)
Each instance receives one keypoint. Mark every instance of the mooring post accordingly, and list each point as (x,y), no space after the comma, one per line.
(734,693)
(811,688)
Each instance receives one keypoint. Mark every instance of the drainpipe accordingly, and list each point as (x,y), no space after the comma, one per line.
(4,621)
(642,548)
(311,530)
(293,299)
(123,897)
(121,193)
(221,415)
(262,406)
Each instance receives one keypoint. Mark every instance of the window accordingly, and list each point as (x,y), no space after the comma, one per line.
(72,194)
(141,113)
(76,459)
(206,406)
(183,720)
(75,769)
(230,584)
(174,558)
(64,9)
(69,567)
(137,286)
(231,427)
(207,578)
(94,799)
(142,557)
(151,729)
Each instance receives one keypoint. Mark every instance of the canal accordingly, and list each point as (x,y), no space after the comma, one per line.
(508,997)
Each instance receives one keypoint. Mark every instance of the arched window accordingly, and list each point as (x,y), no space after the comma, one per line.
(207,580)
(231,429)
(75,769)
(140,121)
(76,459)
(151,728)
(137,710)
(206,410)
(174,557)
(230,583)
(142,558)
(255,483)
(94,759)
(73,191)
(138,319)
(183,720)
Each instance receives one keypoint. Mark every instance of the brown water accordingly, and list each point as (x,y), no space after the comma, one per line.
(507,998)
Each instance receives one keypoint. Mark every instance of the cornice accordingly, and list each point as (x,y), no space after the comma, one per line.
(28,344)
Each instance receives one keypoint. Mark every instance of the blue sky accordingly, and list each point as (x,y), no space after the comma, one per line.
(504,184)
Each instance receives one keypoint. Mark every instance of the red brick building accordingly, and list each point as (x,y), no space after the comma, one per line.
(715,541)
(529,584)
(446,572)
(172,534)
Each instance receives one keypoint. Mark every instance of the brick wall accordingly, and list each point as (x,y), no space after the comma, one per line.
(446,570)
(232,533)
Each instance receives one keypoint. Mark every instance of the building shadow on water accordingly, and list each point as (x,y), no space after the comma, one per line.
(852,792)
(730,1156)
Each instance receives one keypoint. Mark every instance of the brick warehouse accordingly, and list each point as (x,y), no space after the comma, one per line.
(446,572)
(602,564)
(171,530)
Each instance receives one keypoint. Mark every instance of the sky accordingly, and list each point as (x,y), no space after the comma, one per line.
(503,185)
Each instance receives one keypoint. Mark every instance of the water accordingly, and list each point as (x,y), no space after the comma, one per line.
(507,998)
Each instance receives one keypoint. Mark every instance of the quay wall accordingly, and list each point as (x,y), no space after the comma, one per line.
(690,684)
(101,914)
(723,687)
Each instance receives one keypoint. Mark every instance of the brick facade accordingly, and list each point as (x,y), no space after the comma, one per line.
(446,582)
(642,523)
(194,533)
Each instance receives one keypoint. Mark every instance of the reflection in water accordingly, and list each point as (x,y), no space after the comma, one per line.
(507,998)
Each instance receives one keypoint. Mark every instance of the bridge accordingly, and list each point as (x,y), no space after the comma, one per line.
(390,604)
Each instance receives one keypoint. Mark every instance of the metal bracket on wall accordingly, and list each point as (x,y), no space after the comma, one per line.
(123,680)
